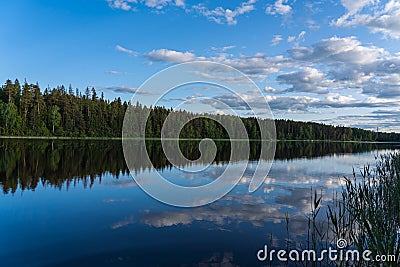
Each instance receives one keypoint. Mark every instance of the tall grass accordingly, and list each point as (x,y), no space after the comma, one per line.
(366,213)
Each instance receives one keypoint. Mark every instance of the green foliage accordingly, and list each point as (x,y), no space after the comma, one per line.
(368,214)
(54,117)
(56,112)
(10,120)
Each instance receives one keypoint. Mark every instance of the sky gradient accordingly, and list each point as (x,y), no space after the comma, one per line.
(336,62)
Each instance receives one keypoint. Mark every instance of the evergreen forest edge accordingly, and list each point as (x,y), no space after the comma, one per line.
(61,112)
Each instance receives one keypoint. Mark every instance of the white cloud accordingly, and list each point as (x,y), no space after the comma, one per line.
(301,104)
(170,56)
(279,7)
(339,99)
(293,104)
(307,80)
(335,49)
(244,209)
(270,89)
(180,3)
(156,4)
(387,120)
(125,50)
(123,223)
(219,14)
(291,39)
(222,15)
(276,40)
(256,66)
(388,86)
(122,4)
(159,4)
(300,38)
(368,74)
(114,72)
(124,90)
(312,24)
(377,16)
(353,7)
(223,49)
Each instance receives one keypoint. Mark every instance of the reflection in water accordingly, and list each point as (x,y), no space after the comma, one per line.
(241,209)
(25,163)
(115,223)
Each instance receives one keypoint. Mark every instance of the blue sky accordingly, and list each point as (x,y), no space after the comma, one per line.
(336,62)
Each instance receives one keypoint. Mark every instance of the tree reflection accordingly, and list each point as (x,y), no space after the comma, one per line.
(26,163)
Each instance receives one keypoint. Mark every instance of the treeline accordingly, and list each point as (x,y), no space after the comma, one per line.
(27,111)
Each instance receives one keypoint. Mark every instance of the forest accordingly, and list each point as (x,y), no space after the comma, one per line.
(60,112)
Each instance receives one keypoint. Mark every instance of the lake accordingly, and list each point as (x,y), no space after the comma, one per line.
(74,203)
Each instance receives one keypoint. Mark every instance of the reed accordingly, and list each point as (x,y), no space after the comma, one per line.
(366,213)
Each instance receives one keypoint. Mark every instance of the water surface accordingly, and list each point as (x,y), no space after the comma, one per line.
(73,203)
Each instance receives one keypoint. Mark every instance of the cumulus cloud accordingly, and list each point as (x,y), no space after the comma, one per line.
(335,49)
(385,87)
(170,56)
(330,64)
(379,17)
(258,64)
(292,104)
(296,104)
(306,80)
(353,7)
(279,7)
(351,65)
(306,104)
(324,71)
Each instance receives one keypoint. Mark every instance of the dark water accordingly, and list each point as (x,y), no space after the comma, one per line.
(73,203)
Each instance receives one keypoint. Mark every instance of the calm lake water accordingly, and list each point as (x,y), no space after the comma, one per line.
(73,203)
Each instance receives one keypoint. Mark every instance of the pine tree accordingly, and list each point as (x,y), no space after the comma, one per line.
(26,103)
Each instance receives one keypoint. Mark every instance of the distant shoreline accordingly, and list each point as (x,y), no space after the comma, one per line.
(185,139)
